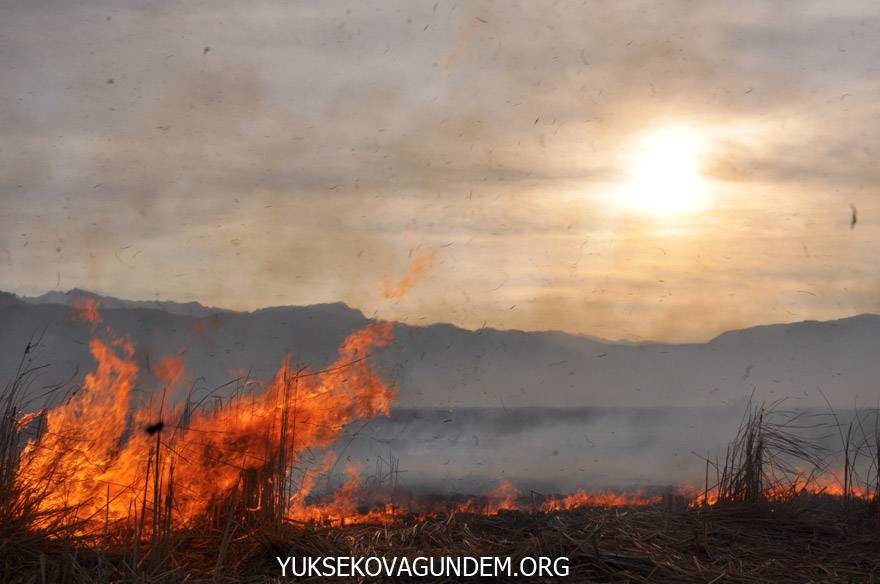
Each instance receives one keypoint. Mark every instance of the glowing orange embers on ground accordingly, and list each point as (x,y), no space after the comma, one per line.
(111,457)
(600,499)
(506,497)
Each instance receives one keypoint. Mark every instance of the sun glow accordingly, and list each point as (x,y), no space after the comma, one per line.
(663,175)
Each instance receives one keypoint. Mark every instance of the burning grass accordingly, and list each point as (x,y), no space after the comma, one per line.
(808,539)
(101,485)
(150,466)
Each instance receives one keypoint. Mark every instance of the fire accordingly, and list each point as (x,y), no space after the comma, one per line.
(347,506)
(801,484)
(88,310)
(507,497)
(114,458)
(170,369)
(824,484)
(343,507)
(503,498)
(601,499)
(417,270)
(78,451)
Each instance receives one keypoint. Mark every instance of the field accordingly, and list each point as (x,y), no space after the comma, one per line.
(807,539)
(101,483)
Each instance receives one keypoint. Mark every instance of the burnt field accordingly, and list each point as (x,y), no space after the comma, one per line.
(805,539)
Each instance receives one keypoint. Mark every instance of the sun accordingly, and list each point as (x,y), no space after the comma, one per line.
(663,175)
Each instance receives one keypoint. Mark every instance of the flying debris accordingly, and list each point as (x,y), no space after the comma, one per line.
(855,216)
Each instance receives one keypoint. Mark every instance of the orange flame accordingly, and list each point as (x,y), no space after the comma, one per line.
(503,498)
(343,507)
(103,449)
(80,447)
(170,369)
(804,484)
(88,310)
(601,499)
(417,270)
(824,484)
(101,461)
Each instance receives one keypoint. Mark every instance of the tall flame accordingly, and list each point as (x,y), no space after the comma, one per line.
(112,457)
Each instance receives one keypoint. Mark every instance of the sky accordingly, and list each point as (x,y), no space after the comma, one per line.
(627,170)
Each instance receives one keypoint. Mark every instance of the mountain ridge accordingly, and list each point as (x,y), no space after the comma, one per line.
(443,365)
(69,298)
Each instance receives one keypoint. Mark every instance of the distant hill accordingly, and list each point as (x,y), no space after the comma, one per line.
(76,295)
(445,366)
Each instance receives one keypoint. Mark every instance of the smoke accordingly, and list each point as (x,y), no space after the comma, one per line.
(549,450)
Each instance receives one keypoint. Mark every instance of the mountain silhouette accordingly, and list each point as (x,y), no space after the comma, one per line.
(442,365)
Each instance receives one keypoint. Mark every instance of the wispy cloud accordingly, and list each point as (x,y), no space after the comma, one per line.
(315,144)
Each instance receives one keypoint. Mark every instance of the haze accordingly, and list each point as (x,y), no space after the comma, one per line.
(446,162)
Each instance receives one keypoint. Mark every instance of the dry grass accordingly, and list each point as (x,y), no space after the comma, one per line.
(807,539)
(764,526)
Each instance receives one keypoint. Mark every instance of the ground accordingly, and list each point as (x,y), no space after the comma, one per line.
(820,539)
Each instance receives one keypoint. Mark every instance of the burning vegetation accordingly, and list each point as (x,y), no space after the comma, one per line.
(109,483)
(120,462)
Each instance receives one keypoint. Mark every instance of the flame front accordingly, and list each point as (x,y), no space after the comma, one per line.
(79,451)
(111,457)
(108,458)
(601,499)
